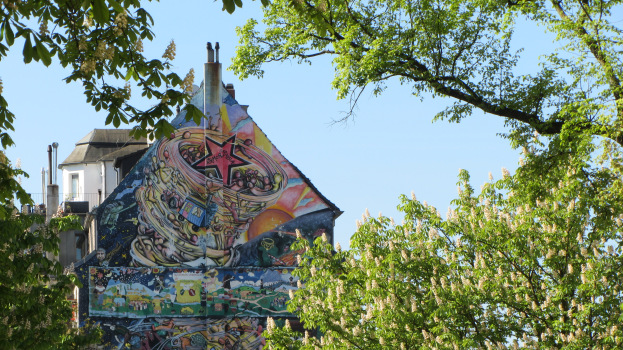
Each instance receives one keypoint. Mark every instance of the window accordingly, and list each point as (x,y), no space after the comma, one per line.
(75,186)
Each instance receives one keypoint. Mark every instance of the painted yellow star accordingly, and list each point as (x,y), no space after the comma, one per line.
(133,220)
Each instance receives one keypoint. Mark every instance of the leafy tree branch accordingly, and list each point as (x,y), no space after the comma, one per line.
(457,49)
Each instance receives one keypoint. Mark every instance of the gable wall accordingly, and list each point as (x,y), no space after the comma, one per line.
(196,239)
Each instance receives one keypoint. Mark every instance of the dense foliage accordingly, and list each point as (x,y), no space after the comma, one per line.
(100,43)
(34,306)
(458,49)
(531,261)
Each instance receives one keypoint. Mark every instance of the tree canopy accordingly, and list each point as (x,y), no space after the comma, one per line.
(531,261)
(458,49)
(34,308)
(100,43)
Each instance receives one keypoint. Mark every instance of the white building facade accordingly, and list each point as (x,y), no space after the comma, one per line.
(90,173)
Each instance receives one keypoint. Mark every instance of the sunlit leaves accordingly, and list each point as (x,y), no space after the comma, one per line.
(531,261)
(97,42)
(458,49)
(100,11)
(33,285)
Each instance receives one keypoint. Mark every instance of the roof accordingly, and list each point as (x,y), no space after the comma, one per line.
(124,152)
(100,144)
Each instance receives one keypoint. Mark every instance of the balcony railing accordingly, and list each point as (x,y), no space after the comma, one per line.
(92,198)
(39,200)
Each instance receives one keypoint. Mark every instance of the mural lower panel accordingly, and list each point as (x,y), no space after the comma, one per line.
(183,333)
(176,292)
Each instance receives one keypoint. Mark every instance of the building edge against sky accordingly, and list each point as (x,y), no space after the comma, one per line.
(194,243)
(391,142)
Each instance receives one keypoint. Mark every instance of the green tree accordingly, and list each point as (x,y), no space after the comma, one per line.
(461,50)
(100,43)
(34,309)
(532,261)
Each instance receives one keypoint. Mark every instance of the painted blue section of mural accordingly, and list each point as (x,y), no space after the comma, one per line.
(184,333)
(188,333)
(194,244)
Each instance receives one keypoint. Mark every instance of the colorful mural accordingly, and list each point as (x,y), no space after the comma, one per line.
(201,195)
(199,232)
(202,199)
(188,333)
(184,333)
(175,292)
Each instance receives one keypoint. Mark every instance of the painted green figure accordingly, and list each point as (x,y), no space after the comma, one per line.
(268,252)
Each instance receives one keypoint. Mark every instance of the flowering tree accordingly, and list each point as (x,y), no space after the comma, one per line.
(531,261)
(100,43)
(34,309)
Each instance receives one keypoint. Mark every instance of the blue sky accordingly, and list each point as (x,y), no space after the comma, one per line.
(390,148)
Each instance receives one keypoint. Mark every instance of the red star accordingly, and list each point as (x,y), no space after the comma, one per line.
(221,157)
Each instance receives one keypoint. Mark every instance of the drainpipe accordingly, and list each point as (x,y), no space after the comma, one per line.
(104,178)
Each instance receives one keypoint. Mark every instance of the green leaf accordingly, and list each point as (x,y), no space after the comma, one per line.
(229,6)
(238,3)
(129,74)
(115,5)
(27,52)
(100,11)
(8,33)
(44,54)
(193,113)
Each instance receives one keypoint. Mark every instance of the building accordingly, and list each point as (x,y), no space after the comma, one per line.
(206,215)
(90,173)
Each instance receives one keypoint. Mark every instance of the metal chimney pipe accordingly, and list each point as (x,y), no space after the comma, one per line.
(210,53)
(55,152)
(43,184)
(217,47)
(50,164)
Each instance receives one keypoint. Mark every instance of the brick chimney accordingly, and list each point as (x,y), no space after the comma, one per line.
(230,88)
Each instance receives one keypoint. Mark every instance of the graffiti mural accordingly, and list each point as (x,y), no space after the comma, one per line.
(200,197)
(174,292)
(197,236)
(184,333)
